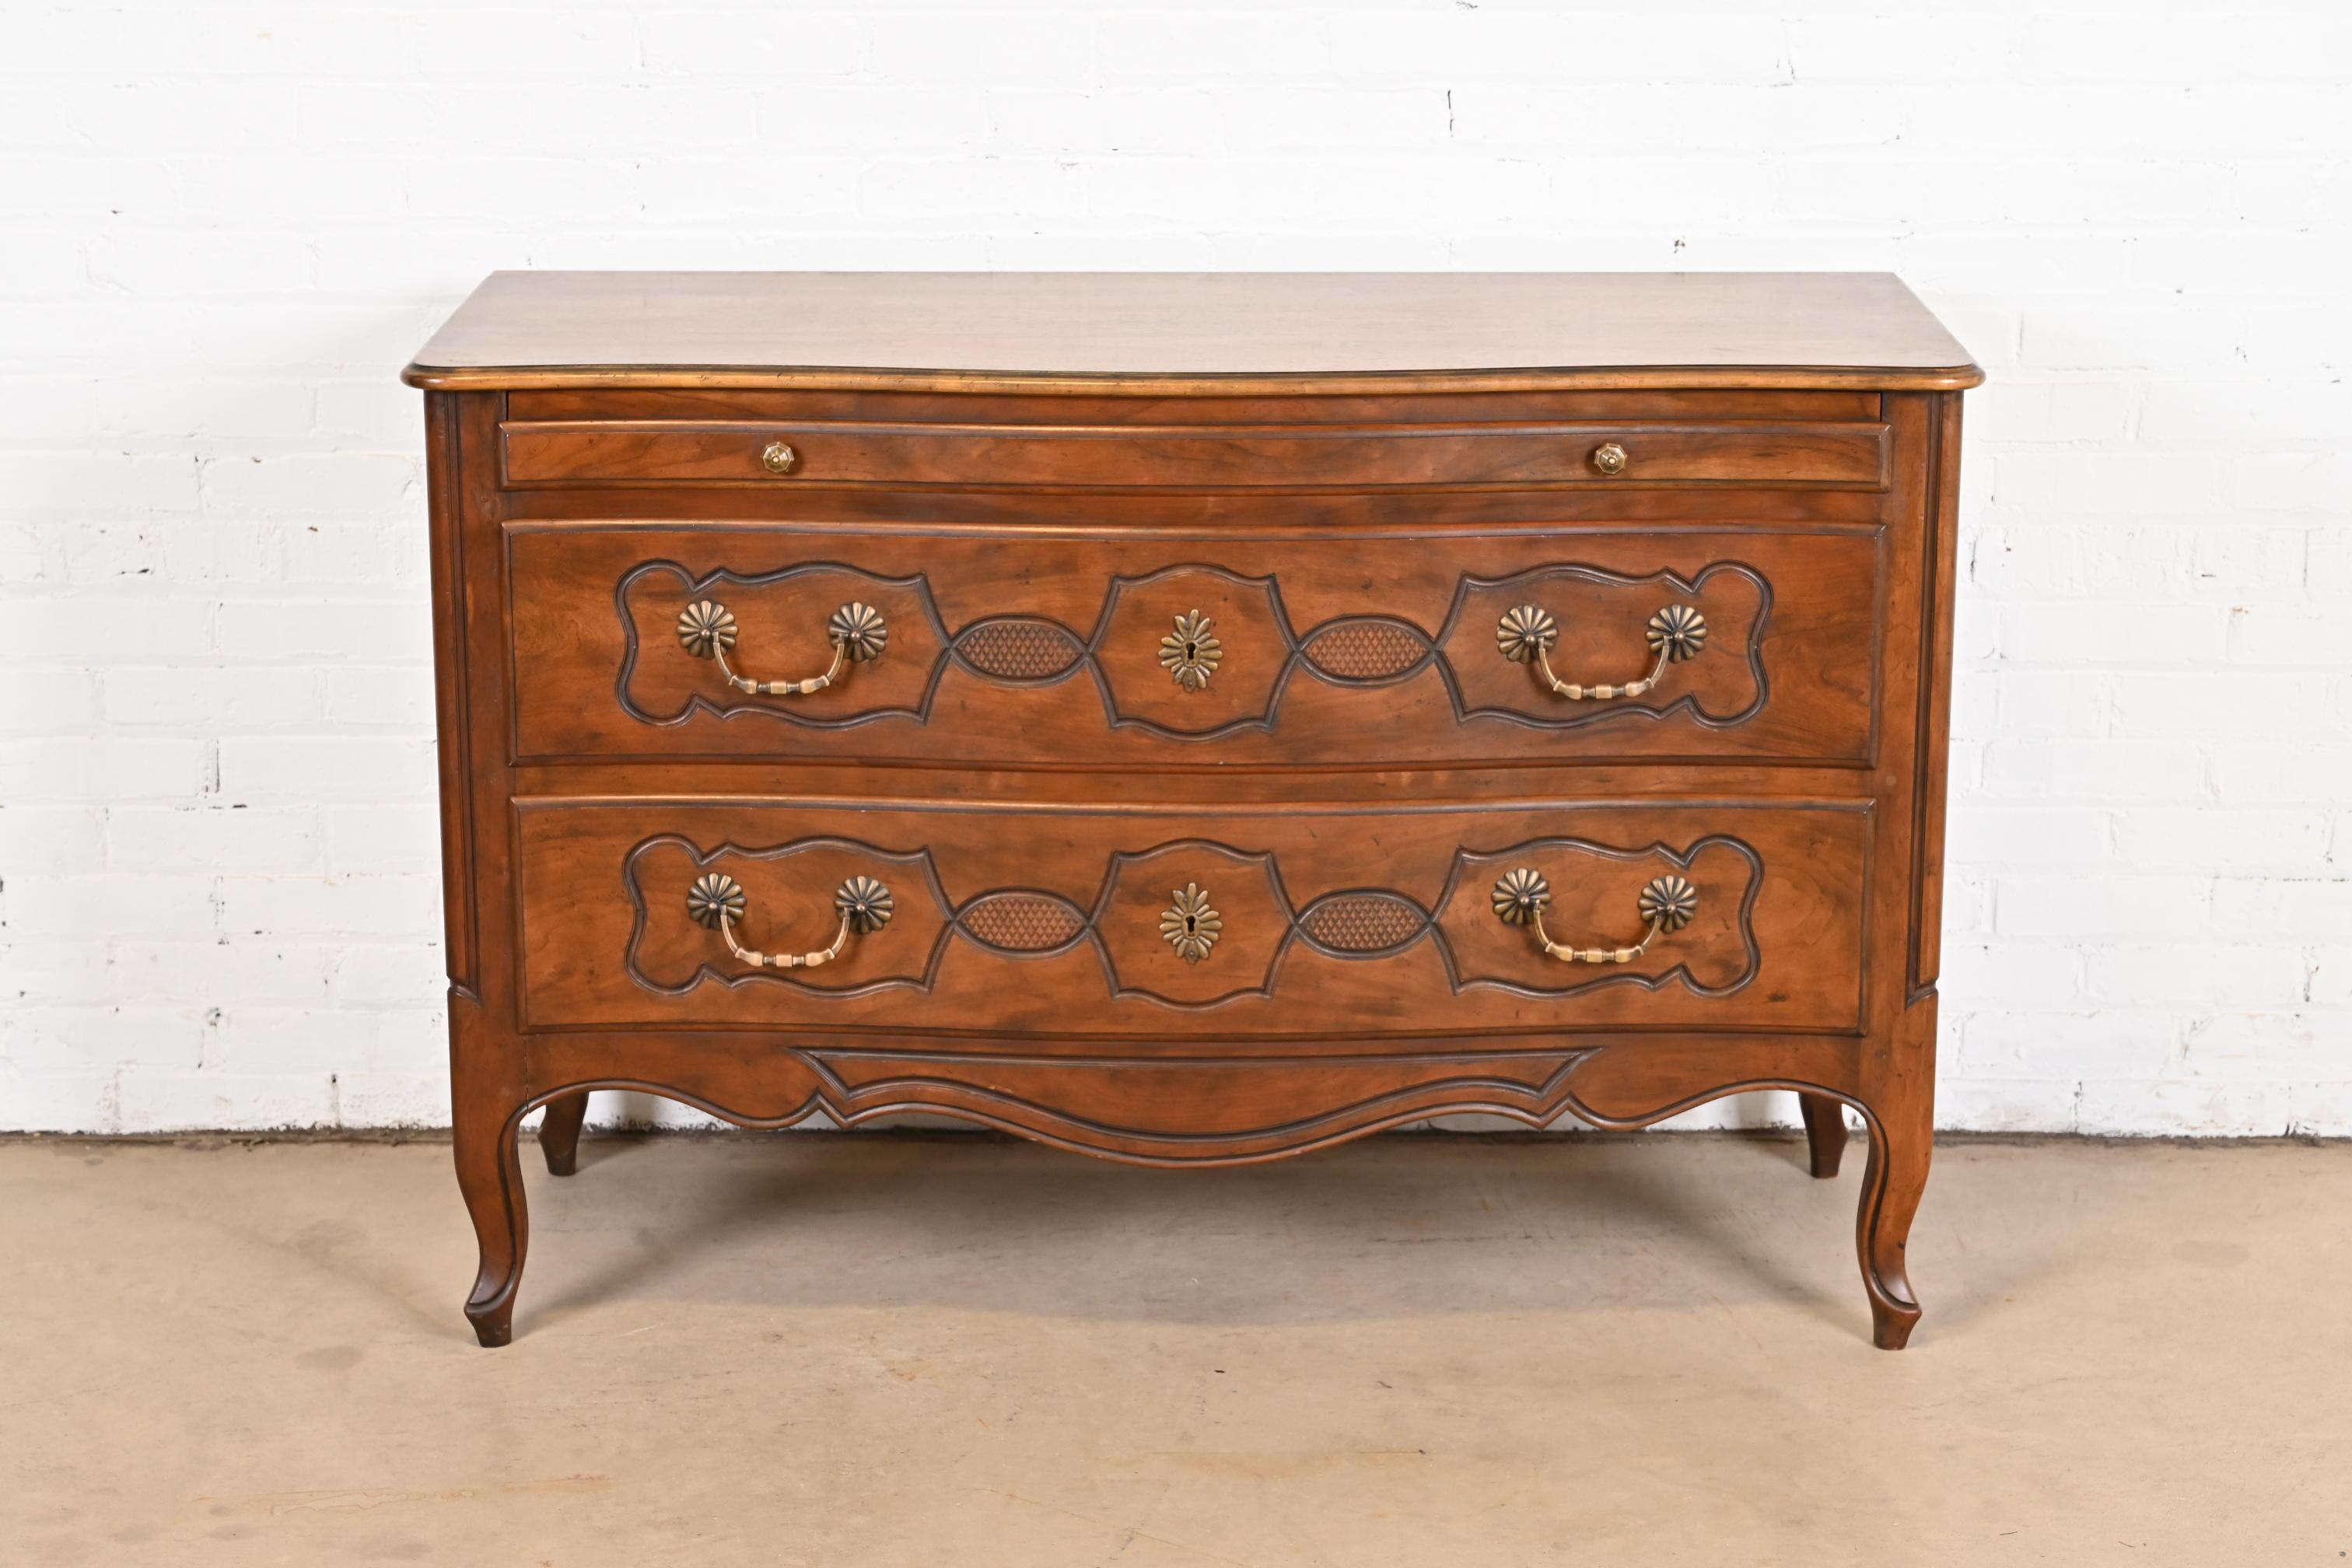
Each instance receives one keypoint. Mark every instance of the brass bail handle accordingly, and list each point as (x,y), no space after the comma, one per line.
(1667,903)
(718,901)
(857,631)
(1525,635)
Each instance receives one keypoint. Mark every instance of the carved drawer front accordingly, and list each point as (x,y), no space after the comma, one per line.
(1329,923)
(1192,457)
(1166,649)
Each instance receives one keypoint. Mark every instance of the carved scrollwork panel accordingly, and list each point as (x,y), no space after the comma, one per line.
(674,622)
(1192,652)
(1612,629)
(1194,923)
(679,893)
(1160,1112)
(1196,651)
(1608,894)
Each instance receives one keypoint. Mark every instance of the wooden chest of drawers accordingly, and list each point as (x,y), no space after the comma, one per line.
(1192,719)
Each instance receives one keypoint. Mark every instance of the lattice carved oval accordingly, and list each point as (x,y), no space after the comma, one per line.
(1022,922)
(1366,651)
(1355,923)
(1019,650)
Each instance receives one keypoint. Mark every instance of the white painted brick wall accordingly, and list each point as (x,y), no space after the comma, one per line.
(223,229)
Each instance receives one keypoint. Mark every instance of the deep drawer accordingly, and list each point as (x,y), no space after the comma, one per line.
(1194,924)
(1190,456)
(1050,648)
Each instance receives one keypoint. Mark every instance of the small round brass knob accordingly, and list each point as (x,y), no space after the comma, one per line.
(779,457)
(1609,458)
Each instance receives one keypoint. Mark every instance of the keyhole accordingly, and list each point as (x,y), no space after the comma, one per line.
(1192,650)
(1188,925)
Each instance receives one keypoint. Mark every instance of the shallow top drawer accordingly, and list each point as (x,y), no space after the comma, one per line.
(1192,457)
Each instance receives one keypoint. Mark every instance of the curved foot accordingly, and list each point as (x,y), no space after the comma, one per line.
(1902,1142)
(559,1132)
(493,1328)
(489,1172)
(1824,1132)
(1891,1325)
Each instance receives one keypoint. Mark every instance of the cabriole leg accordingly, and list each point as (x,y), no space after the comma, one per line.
(559,1132)
(1901,1107)
(1824,1132)
(489,1173)
(483,1117)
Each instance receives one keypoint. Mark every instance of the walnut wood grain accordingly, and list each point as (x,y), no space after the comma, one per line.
(1348,783)
(607,940)
(1190,456)
(1339,649)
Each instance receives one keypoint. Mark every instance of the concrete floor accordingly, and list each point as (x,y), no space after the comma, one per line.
(890,1349)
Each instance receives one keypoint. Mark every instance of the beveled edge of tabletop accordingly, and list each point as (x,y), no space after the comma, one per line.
(1758,378)
(1102,332)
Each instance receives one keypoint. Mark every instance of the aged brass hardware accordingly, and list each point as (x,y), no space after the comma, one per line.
(716,901)
(778,457)
(1189,925)
(1526,634)
(857,631)
(1191,652)
(1609,459)
(1667,903)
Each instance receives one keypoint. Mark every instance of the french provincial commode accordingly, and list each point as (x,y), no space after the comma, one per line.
(1192,719)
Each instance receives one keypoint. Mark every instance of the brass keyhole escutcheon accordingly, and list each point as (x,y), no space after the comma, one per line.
(1191,652)
(1190,924)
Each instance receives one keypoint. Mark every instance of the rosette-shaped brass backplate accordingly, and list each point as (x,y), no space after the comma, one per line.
(1678,632)
(715,897)
(1670,901)
(1524,633)
(864,903)
(859,631)
(706,627)
(1521,895)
